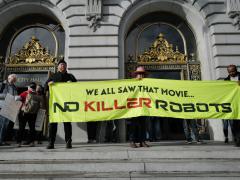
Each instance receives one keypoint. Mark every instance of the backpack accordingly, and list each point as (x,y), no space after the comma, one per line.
(32,104)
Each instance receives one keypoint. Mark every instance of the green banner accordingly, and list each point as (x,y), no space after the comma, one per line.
(117,99)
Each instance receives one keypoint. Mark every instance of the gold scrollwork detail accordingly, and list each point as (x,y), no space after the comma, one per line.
(162,52)
(195,72)
(32,53)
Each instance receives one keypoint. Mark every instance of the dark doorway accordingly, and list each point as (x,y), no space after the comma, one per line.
(164,128)
(165,74)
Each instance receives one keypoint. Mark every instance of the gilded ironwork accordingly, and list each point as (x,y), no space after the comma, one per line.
(162,52)
(32,53)
(194,72)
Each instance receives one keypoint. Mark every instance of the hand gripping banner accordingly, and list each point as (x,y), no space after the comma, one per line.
(118,99)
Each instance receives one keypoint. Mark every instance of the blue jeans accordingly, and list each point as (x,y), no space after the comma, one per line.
(227,123)
(153,128)
(137,132)
(3,128)
(190,125)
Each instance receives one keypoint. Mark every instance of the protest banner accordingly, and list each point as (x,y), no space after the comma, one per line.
(117,99)
(41,116)
(10,108)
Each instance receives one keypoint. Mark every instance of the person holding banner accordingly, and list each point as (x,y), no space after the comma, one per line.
(137,124)
(7,87)
(60,76)
(233,75)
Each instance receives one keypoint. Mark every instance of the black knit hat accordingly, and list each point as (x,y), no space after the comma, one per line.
(62,61)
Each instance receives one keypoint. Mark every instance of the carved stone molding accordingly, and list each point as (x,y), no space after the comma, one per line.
(94,13)
(233,11)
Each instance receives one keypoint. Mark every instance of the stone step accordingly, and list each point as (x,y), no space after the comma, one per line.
(94,166)
(123,176)
(161,150)
(119,161)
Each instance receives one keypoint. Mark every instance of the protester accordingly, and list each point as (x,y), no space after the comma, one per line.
(31,103)
(233,75)
(60,76)
(137,124)
(7,87)
(40,92)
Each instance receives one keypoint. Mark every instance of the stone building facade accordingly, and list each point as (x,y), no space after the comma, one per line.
(97,37)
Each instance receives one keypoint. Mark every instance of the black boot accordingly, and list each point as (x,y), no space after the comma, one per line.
(69,144)
(237,141)
(50,146)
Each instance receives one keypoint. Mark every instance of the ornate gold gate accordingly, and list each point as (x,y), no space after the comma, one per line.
(162,56)
(32,63)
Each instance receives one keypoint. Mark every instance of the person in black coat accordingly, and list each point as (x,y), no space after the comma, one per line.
(233,75)
(60,76)
(137,132)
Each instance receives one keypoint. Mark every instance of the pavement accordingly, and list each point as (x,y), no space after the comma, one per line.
(166,160)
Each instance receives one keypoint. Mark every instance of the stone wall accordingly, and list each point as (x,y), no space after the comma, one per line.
(225,36)
(94,53)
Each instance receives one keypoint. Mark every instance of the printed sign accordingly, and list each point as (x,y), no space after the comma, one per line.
(109,100)
(10,108)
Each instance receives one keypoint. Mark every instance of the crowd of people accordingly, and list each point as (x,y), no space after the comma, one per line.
(33,99)
(24,116)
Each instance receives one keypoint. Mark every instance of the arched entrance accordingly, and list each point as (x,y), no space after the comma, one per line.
(165,45)
(31,46)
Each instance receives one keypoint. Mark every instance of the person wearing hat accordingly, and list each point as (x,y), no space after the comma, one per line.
(140,72)
(137,132)
(60,76)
